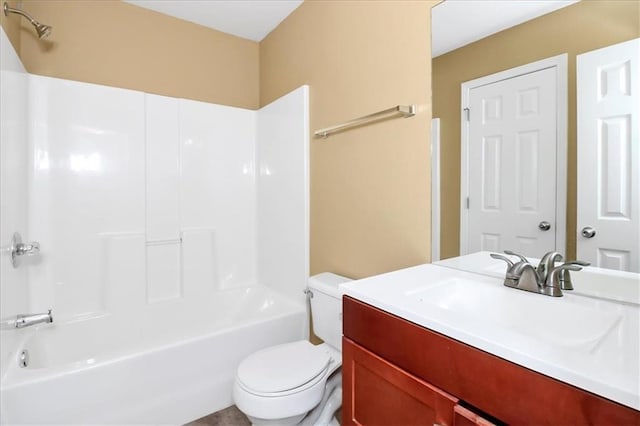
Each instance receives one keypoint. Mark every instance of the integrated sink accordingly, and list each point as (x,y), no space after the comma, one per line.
(567,323)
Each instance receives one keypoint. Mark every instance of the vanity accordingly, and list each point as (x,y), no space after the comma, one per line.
(449,344)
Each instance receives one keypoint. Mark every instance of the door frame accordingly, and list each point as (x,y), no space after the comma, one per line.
(435,189)
(560,64)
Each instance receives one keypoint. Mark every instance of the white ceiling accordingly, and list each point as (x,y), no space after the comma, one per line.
(456,23)
(250,19)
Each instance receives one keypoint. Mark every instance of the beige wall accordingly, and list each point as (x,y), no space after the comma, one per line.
(370,207)
(585,26)
(116,44)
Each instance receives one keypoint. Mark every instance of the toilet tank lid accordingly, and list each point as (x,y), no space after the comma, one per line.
(328,282)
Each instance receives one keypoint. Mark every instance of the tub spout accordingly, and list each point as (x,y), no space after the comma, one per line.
(27,320)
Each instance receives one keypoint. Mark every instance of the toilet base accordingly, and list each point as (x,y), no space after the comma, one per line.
(289,421)
(323,413)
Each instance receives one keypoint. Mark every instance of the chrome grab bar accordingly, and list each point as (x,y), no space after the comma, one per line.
(404,110)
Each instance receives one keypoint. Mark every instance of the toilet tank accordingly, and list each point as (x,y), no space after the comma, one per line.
(326,307)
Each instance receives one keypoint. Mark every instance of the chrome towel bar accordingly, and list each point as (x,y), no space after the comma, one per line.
(404,110)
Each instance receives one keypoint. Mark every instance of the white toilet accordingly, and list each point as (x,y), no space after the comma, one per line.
(298,383)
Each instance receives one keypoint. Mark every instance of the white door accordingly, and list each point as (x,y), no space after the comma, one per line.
(608,219)
(512,165)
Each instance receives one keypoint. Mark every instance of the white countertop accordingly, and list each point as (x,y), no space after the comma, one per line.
(595,347)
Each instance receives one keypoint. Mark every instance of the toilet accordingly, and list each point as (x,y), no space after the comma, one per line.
(298,383)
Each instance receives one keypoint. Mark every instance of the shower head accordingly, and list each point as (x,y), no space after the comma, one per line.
(42,29)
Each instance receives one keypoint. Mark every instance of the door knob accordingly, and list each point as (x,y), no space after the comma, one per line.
(544,225)
(588,232)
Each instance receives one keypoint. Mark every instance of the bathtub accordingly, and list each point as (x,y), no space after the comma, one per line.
(167,365)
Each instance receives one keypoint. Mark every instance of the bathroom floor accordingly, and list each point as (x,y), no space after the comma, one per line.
(228,417)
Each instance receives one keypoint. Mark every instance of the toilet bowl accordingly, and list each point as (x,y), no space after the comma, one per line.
(298,382)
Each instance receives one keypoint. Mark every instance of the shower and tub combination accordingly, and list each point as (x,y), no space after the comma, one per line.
(173,241)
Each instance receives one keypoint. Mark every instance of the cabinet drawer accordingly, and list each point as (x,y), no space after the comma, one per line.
(376,392)
(465,417)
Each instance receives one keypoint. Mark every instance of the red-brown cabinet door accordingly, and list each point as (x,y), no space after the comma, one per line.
(376,392)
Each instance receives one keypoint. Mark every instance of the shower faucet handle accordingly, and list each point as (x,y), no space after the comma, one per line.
(29,249)
(18,248)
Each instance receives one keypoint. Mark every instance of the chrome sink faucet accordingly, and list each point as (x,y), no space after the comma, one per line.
(547,263)
(27,320)
(546,279)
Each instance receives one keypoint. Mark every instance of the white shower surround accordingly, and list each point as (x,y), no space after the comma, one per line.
(157,217)
(14,296)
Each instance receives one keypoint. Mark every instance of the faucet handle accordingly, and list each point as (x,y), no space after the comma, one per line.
(29,249)
(566,266)
(512,253)
(512,275)
(564,278)
(578,262)
(553,280)
(501,257)
(18,248)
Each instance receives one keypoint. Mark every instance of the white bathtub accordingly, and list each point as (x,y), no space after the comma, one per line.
(167,365)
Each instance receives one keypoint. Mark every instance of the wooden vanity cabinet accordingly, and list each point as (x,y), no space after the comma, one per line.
(397,373)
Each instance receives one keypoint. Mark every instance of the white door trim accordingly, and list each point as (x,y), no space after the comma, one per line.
(560,64)
(435,189)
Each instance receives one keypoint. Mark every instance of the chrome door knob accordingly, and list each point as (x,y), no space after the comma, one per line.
(544,225)
(588,232)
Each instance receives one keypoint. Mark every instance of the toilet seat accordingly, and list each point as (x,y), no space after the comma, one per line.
(316,380)
(284,369)
(318,363)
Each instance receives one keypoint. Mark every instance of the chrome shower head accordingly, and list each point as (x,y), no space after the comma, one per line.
(42,29)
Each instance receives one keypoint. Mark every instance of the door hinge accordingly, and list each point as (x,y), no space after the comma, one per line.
(467,114)
(467,203)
